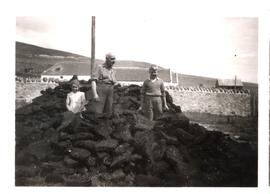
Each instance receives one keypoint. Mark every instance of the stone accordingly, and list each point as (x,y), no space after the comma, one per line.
(183,135)
(147,181)
(169,139)
(87,144)
(123,148)
(39,150)
(69,162)
(54,179)
(104,129)
(26,171)
(106,145)
(80,154)
(142,123)
(174,157)
(121,159)
(91,161)
(79,136)
(118,175)
(122,133)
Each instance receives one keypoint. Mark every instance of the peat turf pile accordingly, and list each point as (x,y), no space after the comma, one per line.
(125,150)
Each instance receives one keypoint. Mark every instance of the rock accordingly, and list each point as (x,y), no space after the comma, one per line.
(174,119)
(118,175)
(25,158)
(54,179)
(122,132)
(39,150)
(147,181)
(169,139)
(106,145)
(183,136)
(91,161)
(61,147)
(80,154)
(198,132)
(104,129)
(78,136)
(160,168)
(49,124)
(119,160)
(156,150)
(123,148)
(174,157)
(173,180)
(142,123)
(78,180)
(69,162)
(87,144)
(26,171)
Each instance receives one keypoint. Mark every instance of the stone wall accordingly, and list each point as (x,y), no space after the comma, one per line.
(213,100)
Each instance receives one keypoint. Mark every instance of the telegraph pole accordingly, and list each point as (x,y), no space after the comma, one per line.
(93,45)
(235,83)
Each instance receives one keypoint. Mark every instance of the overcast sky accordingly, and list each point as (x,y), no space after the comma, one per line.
(206,46)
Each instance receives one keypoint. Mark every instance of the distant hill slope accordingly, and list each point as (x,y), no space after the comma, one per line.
(33,60)
(28,49)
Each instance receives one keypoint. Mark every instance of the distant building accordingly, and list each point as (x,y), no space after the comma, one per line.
(229,84)
(64,71)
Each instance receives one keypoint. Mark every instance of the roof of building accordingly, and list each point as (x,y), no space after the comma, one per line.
(123,73)
(229,82)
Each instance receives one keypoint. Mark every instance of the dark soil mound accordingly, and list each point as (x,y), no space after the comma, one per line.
(125,150)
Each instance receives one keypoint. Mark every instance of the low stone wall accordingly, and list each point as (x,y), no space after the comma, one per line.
(212,100)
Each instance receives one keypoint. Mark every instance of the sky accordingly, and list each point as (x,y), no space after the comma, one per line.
(219,47)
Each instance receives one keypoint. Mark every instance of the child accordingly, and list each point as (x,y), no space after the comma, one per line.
(153,99)
(75,103)
(75,99)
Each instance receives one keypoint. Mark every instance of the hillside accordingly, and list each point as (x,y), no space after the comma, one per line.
(33,60)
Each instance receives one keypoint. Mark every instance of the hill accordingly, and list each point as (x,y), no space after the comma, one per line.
(32,60)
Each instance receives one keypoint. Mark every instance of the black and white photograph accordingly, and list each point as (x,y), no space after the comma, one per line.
(167,100)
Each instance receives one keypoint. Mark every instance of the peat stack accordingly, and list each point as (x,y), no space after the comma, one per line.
(126,149)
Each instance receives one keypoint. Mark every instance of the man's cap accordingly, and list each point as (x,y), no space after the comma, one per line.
(153,68)
(110,56)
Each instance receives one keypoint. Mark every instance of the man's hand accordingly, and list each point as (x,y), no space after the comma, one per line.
(140,110)
(96,98)
(117,85)
(165,108)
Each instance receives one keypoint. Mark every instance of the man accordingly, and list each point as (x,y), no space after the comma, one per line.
(103,81)
(153,99)
(75,103)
